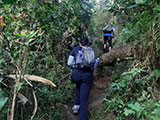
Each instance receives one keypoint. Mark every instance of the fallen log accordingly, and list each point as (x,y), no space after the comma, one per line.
(113,55)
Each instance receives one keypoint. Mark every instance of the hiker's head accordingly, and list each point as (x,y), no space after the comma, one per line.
(84,41)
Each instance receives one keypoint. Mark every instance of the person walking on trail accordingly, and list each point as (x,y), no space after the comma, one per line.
(108,35)
(82,60)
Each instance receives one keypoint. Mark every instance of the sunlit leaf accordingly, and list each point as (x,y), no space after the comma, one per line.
(2,102)
(30,40)
(158,105)
(18,34)
(32,34)
(145,112)
(136,106)
(74,28)
(19,85)
(156,73)
(140,2)
(156,8)
(44,26)
(1,79)
(128,111)
(156,111)
(106,100)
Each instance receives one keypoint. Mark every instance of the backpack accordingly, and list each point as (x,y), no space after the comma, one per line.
(108,28)
(85,58)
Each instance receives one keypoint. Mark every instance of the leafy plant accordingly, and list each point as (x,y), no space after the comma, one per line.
(3,99)
(134,109)
(156,73)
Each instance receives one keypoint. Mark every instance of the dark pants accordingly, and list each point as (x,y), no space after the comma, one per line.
(109,39)
(83,81)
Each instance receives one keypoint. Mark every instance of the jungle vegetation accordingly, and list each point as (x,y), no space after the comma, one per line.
(36,37)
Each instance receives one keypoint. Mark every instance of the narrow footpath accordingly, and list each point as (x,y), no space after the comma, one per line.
(100,84)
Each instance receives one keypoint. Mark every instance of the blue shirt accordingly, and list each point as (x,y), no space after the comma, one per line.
(109,33)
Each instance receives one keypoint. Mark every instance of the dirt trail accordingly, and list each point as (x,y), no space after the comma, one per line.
(100,83)
(98,90)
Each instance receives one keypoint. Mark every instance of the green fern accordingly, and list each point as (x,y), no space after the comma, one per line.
(156,32)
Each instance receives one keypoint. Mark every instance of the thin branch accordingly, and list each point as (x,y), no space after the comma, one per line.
(14,99)
(35,105)
(63,77)
(28,82)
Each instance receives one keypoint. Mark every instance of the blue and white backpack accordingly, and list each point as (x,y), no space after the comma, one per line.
(85,57)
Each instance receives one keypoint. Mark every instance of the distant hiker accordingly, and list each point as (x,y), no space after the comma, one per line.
(108,34)
(82,59)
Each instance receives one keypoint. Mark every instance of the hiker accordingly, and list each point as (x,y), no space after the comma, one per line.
(82,76)
(108,35)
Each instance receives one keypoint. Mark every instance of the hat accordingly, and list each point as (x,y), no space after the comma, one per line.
(84,41)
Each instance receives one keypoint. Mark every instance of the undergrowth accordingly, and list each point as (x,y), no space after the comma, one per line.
(133,93)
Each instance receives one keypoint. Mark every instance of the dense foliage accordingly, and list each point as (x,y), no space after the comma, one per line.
(37,36)
(133,93)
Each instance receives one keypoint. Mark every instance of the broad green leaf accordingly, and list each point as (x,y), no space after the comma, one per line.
(144,112)
(44,26)
(19,35)
(19,85)
(156,73)
(158,105)
(156,8)
(2,102)
(129,111)
(155,118)
(140,2)
(74,28)
(94,28)
(1,79)
(141,98)
(136,106)
(156,111)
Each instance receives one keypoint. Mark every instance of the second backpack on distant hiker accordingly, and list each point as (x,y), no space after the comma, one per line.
(85,58)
